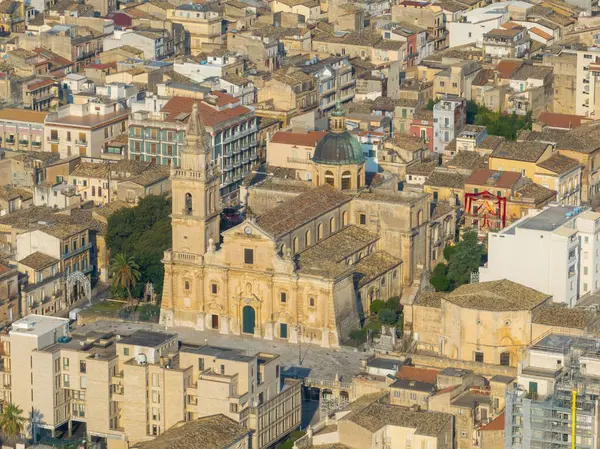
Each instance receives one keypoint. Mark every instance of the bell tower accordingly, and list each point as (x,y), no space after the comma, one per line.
(195,191)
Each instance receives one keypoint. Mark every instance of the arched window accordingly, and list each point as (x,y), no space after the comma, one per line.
(320,231)
(346,180)
(295,245)
(93,190)
(307,238)
(332,225)
(329,179)
(186,285)
(382,281)
(188,203)
(345,218)
(505,359)
(419,218)
(311,302)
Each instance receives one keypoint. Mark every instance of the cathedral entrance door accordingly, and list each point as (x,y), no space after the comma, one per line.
(249,319)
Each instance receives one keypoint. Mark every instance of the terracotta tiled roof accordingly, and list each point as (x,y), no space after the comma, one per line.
(520,151)
(540,33)
(507,67)
(535,192)
(421,374)
(444,178)
(210,432)
(496,424)
(562,121)
(493,178)
(210,116)
(557,163)
(308,139)
(301,209)
(557,316)
(22,115)
(38,261)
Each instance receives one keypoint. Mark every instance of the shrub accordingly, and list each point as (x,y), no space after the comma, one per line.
(387,316)
(149,312)
(358,335)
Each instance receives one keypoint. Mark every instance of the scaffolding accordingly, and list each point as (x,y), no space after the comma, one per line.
(548,423)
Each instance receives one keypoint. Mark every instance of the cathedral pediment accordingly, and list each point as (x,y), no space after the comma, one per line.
(247,229)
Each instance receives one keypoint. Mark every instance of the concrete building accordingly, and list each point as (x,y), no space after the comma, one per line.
(557,394)
(502,43)
(20,129)
(559,253)
(217,65)
(84,129)
(155,43)
(101,380)
(449,119)
(204,23)
(475,23)
(157,134)
(294,150)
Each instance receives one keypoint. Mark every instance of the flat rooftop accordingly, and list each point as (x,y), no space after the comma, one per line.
(219,352)
(148,339)
(548,220)
(562,342)
(37,325)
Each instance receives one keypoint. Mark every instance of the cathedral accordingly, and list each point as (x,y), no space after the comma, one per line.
(308,260)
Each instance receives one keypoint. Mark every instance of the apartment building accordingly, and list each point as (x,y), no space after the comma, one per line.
(449,119)
(264,52)
(130,389)
(335,80)
(157,134)
(557,395)
(506,43)
(48,254)
(587,82)
(456,79)
(217,64)
(84,129)
(9,293)
(294,150)
(22,130)
(40,94)
(204,22)
(558,253)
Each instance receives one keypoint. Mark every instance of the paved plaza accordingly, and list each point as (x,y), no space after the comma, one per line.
(316,362)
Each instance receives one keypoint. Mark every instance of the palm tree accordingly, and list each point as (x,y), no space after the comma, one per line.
(11,421)
(125,273)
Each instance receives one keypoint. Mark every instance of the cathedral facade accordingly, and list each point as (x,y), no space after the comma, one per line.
(309,264)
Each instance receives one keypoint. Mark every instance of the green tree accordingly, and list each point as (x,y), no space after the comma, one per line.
(430,104)
(439,278)
(472,109)
(376,306)
(12,421)
(393,303)
(465,260)
(125,273)
(448,251)
(387,316)
(143,232)
(358,335)
(498,124)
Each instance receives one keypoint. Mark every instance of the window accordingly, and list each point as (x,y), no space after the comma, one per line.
(65,363)
(156,397)
(479,356)
(201,364)
(413,396)
(283,296)
(533,388)
(82,366)
(214,288)
(505,359)
(66,380)
(233,408)
(248,256)
(83,382)
(222,370)
(186,285)
(125,351)
(311,302)
(362,219)
(585,270)
(320,231)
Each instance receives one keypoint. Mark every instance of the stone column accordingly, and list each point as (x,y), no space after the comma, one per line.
(223,325)
(269,330)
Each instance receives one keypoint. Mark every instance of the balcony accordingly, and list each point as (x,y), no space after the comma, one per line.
(23,142)
(78,250)
(297,160)
(53,139)
(81,143)
(10,141)
(36,144)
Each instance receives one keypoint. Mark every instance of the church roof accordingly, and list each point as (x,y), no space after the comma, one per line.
(338,149)
(328,257)
(300,210)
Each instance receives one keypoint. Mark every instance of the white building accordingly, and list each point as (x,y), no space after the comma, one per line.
(476,23)
(555,251)
(211,66)
(588,76)
(449,119)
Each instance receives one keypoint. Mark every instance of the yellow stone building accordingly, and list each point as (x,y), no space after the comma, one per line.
(309,265)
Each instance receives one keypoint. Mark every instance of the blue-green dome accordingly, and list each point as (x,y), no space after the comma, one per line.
(339,148)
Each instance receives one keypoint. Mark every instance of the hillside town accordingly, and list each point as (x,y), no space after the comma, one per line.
(299,224)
